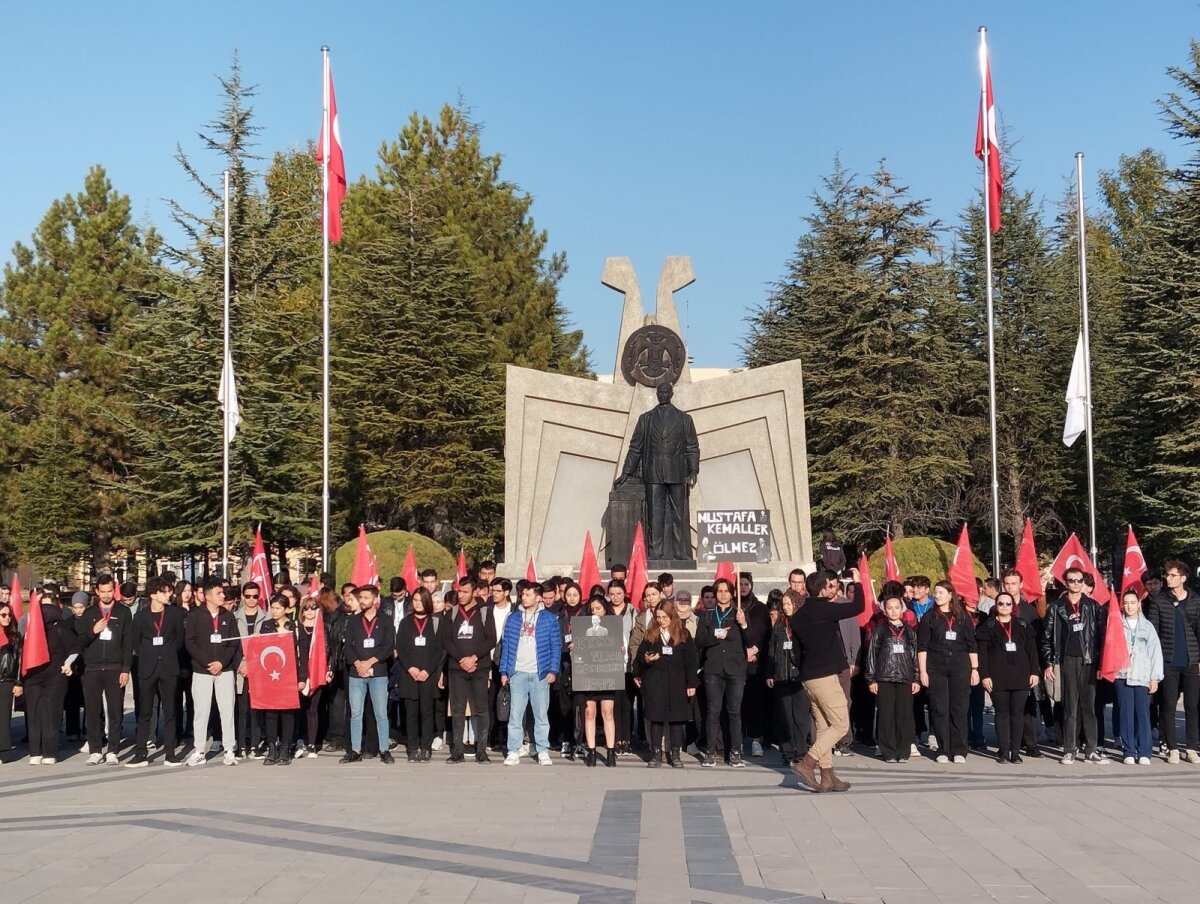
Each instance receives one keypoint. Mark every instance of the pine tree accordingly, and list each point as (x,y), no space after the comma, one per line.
(868,305)
(67,302)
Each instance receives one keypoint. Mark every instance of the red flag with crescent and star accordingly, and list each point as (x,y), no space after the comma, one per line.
(1073,555)
(271,671)
(260,573)
(1135,566)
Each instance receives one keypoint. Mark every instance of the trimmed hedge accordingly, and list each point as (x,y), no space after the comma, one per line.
(920,555)
(390,547)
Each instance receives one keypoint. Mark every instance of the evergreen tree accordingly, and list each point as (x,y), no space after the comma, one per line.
(67,301)
(868,304)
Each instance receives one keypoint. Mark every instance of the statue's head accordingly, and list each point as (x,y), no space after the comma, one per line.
(665,390)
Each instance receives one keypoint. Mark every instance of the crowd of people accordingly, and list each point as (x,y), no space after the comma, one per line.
(485,667)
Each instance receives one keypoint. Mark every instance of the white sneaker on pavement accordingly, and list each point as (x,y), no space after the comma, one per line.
(110,759)
(196,759)
(1143,761)
(960,759)
(48,761)
(437,743)
(1173,757)
(912,750)
(943,759)
(513,759)
(35,761)
(544,758)
(933,744)
(523,750)
(229,759)
(85,748)
(1193,757)
(94,760)
(1129,761)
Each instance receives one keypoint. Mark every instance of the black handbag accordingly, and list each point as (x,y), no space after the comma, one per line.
(503,703)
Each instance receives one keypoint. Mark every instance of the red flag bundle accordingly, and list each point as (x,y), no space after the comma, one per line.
(1027,564)
(260,573)
(891,570)
(329,155)
(985,131)
(1135,566)
(318,662)
(15,600)
(460,567)
(271,670)
(636,578)
(364,570)
(1073,555)
(589,571)
(962,569)
(408,571)
(35,651)
(870,604)
(1115,655)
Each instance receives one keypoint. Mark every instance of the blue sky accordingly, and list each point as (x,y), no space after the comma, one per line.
(641,129)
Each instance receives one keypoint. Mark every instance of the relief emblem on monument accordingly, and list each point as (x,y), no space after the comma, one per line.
(654,354)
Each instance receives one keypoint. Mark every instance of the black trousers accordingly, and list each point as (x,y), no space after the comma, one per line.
(280,725)
(335,710)
(793,718)
(100,686)
(623,711)
(894,732)
(1078,704)
(1030,739)
(157,691)
(1010,718)
(674,731)
(473,687)
(73,705)
(248,721)
(949,694)
(862,710)
(184,706)
(6,710)
(756,707)
(1187,680)
(418,716)
(310,712)
(724,692)
(43,713)
(920,702)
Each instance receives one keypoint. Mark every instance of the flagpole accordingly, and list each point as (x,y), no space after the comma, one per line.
(326,141)
(225,357)
(1087,354)
(991,327)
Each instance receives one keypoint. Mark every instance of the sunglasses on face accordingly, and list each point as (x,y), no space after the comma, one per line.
(249,597)
(1004,603)
(1074,580)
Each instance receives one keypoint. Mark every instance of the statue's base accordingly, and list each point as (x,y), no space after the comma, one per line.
(671,565)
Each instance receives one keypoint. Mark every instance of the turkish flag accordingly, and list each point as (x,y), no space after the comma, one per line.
(531,571)
(636,579)
(408,571)
(589,571)
(314,586)
(15,601)
(962,569)
(364,570)
(35,650)
(260,573)
(985,129)
(1027,564)
(725,570)
(460,567)
(318,662)
(870,604)
(891,570)
(271,670)
(1073,555)
(1135,566)
(333,166)
(1115,655)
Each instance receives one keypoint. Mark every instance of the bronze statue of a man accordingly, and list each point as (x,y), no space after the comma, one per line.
(664,450)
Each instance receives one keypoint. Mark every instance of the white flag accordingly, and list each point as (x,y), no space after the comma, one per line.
(227,396)
(1077,399)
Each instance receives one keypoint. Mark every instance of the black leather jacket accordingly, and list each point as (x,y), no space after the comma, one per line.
(780,661)
(1058,627)
(882,664)
(10,659)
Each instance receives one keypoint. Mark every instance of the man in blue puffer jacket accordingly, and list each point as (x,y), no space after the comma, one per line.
(529,661)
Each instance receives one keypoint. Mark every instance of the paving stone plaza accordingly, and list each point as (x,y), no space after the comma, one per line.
(316,831)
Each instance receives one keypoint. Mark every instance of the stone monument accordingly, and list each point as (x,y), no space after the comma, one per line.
(566,439)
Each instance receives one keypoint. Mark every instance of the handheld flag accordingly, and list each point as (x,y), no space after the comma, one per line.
(1134,567)
(1027,564)
(891,570)
(271,671)
(961,571)
(15,598)
(260,573)
(364,570)
(1073,555)
(636,579)
(318,662)
(589,571)
(870,604)
(531,571)
(314,585)
(35,650)
(408,571)
(987,145)
(460,567)
(1115,655)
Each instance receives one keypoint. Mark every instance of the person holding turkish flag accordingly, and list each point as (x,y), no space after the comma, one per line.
(274,679)
(49,648)
(1137,681)
(313,663)
(1072,641)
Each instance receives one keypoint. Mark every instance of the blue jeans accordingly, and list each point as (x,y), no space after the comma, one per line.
(529,690)
(357,691)
(1134,704)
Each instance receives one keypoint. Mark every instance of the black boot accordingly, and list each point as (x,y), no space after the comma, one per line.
(675,758)
(283,754)
(589,758)
(272,755)
(612,758)
(656,760)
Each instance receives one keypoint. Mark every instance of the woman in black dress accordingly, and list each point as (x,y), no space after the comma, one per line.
(1008,666)
(421,655)
(591,700)
(667,667)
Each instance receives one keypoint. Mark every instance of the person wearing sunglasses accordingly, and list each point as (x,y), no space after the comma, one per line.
(1008,668)
(1071,642)
(10,673)
(250,723)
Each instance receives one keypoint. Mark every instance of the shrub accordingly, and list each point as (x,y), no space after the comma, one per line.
(390,547)
(920,555)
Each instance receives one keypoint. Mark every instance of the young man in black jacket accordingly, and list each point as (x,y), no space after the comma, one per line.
(157,643)
(210,635)
(1175,614)
(106,635)
(817,632)
(370,643)
(1071,640)
(469,637)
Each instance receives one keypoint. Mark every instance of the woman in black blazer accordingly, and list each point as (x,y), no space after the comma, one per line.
(666,666)
(422,656)
(1008,667)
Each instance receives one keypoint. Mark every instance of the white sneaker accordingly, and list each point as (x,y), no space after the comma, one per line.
(523,750)
(94,760)
(230,759)
(35,761)
(48,761)
(196,759)
(756,748)
(1143,761)
(933,744)
(1067,759)
(1097,758)
(943,759)
(151,747)
(437,743)
(912,750)
(312,754)
(513,759)
(1129,761)
(960,759)
(1173,757)
(110,759)
(301,750)
(85,748)
(1193,757)
(544,758)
